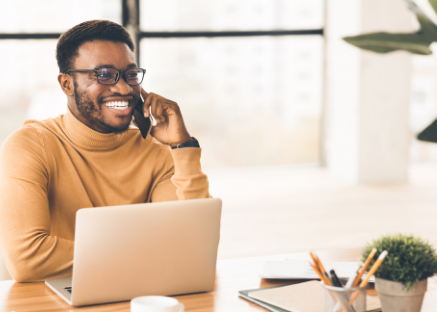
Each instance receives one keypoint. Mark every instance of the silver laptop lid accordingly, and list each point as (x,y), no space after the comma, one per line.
(166,248)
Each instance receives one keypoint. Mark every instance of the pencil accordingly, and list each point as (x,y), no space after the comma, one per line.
(319,264)
(314,259)
(317,260)
(322,278)
(364,268)
(369,275)
(326,281)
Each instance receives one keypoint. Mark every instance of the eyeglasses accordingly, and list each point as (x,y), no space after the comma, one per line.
(110,76)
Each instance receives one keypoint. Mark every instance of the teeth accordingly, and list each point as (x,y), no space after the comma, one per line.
(120,105)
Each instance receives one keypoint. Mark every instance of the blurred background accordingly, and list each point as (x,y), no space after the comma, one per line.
(259,83)
(237,89)
(236,93)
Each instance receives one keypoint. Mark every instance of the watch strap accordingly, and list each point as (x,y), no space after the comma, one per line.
(192,143)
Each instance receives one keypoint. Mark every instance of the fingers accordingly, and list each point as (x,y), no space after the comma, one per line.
(168,124)
(157,110)
(161,108)
(146,104)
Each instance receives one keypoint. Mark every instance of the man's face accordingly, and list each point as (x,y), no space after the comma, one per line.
(93,100)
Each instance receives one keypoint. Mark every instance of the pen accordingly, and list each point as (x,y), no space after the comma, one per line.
(342,298)
(369,275)
(349,284)
(339,297)
(364,268)
(352,279)
(335,279)
(318,266)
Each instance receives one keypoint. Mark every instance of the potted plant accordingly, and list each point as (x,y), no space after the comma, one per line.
(417,43)
(401,280)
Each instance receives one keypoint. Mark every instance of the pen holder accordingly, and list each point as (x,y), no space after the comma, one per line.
(336,299)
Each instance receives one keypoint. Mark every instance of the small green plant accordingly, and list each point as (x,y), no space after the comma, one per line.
(410,259)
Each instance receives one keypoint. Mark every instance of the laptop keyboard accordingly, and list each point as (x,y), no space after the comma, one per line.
(68,289)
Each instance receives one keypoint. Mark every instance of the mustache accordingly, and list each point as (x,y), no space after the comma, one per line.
(127,97)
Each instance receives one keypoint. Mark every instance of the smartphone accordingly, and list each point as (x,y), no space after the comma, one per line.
(429,134)
(142,122)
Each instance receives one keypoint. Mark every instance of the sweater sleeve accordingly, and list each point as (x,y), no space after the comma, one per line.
(184,178)
(31,253)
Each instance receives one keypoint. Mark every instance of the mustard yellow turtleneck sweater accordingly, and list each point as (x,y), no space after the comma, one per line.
(50,169)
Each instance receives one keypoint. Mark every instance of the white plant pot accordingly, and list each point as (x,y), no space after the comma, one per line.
(396,298)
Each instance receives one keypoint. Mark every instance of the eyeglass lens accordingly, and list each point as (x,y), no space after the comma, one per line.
(110,76)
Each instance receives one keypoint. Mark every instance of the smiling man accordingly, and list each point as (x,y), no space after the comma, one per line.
(92,156)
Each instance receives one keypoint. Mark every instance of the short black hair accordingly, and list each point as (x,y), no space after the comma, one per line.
(70,41)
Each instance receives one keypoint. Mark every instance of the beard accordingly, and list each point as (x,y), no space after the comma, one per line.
(93,112)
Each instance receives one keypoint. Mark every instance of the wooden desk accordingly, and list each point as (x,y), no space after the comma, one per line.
(232,276)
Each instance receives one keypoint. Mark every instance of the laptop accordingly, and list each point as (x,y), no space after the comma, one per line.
(122,252)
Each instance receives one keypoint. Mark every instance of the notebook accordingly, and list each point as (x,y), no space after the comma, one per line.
(302,297)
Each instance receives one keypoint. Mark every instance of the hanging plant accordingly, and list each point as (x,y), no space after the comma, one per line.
(417,43)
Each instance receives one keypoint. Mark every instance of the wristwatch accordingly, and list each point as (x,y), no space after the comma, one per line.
(192,143)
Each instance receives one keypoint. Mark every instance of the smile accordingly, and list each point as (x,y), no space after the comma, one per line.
(120,105)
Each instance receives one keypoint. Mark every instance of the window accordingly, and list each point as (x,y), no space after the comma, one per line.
(248,100)
(247,74)
(28,37)
(248,82)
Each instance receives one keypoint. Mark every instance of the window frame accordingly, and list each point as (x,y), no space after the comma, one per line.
(130,11)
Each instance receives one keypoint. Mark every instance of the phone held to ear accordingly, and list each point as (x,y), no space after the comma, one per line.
(142,122)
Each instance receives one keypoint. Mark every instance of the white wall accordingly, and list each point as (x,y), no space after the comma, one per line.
(367,94)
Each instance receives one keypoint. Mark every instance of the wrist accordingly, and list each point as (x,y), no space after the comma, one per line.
(186,161)
(192,142)
(184,140)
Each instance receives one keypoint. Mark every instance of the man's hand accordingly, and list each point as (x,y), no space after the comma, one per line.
(170,127)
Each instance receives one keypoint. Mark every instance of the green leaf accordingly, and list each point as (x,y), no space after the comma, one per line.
(383,42)
(417,43)
(428,30)
(427,27)
(433,4)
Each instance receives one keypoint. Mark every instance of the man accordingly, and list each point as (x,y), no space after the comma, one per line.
(90,156)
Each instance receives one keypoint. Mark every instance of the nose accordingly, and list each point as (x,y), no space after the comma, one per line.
(121,86)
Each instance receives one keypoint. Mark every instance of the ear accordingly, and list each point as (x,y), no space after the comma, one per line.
(66,83)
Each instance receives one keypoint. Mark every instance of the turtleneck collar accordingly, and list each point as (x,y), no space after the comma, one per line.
(87,138)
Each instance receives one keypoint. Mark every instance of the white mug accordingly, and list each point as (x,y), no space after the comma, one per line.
(156,304)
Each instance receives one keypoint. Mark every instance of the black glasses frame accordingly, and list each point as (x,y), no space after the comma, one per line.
(117,77)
